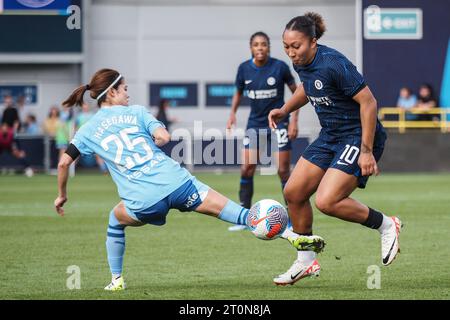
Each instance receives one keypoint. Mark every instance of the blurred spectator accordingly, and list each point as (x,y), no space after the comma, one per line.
(8,144)
(81,119)
(426,101)
(50,125)
(30,125)
(162,114)
(406,101)
(64,130)
(20,104)
(10,114)
(83,116)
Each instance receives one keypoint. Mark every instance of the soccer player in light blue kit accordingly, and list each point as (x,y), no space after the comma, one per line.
(149,183)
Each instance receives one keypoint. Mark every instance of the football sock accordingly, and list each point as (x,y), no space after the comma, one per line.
(24,162)
(288,233)
(115,245)
(246,192)
(234,213)
(374,220)
(306,257)
(386,224)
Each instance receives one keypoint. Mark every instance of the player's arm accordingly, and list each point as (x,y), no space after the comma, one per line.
(298,100)
(161,136)
(293,123)
(66,160)
(368,111)
(235,101)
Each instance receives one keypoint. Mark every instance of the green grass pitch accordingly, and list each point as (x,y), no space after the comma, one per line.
(195,257)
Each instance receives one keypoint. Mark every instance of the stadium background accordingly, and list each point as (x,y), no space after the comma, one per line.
(196,44)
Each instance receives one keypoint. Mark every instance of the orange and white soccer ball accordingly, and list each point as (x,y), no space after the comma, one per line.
(267,219)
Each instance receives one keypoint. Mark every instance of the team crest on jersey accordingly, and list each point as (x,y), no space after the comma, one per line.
(318,84)
(271,81)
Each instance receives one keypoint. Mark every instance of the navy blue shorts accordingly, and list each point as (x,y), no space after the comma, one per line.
(186,198)
(257,138)
(342,155)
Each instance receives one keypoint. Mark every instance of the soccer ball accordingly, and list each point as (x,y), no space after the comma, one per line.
(267,219)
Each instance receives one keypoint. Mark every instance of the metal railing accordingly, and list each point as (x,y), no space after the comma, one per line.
(402,123)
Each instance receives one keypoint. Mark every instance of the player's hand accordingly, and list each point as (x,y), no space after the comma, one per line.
(59,203)
(275,116)
(292,130)
(231,121)
(368,164)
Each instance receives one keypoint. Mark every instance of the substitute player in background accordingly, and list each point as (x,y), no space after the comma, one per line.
(263,78)
(347,150)
(149,183)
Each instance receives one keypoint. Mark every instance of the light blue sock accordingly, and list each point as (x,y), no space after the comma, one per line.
(115,244)
(234,213)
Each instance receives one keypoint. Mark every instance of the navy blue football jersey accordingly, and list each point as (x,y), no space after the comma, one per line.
(330,82)
(264,86)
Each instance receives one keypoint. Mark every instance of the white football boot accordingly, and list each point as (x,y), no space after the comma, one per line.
(237,227)
(116,285)
(390,245)
(298,271)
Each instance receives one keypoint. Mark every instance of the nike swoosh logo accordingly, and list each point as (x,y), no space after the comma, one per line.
(342,163)
(385,260)
(248,81)
(256,222)
(295,276)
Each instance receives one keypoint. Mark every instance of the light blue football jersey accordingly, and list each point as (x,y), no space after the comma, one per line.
(122,136)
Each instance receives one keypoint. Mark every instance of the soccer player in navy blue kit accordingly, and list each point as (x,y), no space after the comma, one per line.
(263,78)
(347,150)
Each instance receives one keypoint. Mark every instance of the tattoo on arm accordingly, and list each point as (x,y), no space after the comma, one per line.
(365,149)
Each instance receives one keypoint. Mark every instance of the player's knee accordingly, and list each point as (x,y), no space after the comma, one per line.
(248,171)
(325,204)
(117,215)
(293,196)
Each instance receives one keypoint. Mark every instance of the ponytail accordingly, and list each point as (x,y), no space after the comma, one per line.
(76,98)
(101,82)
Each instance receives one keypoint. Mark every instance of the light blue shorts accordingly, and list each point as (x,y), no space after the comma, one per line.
(186,198)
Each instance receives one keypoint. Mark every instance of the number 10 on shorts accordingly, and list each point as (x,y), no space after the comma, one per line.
(349,155)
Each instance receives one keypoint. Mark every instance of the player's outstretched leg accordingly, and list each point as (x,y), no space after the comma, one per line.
(115,248)
(245,196)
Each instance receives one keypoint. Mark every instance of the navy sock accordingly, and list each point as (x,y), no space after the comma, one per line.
(246,192)
(374,219)
(24,162)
